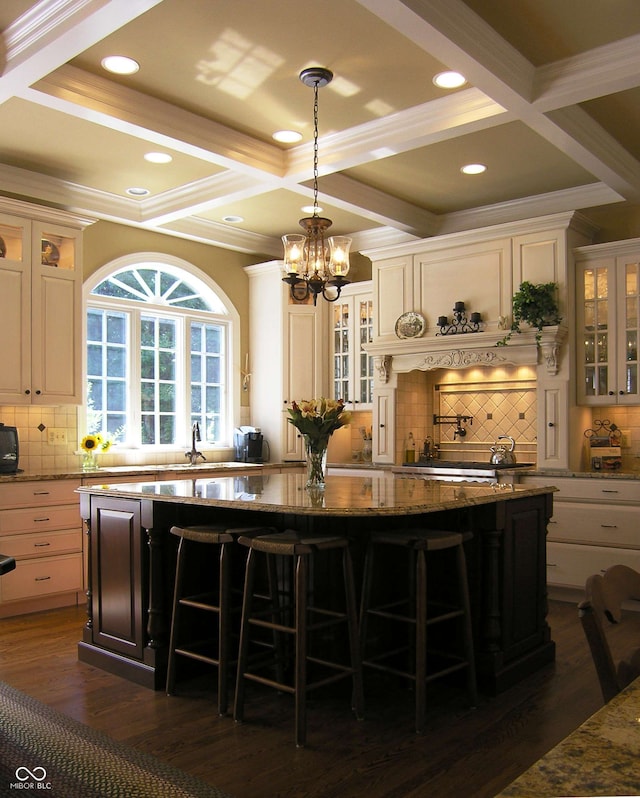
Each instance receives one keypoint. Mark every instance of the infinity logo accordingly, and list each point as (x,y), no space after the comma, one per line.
(38,774)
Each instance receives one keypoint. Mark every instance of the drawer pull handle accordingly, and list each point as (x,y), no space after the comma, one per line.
(604,490)
(40,492)
(40,545)
(42,578)
(609,526)
(552,565)
(41,519)
(551,521)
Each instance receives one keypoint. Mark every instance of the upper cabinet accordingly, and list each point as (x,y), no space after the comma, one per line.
(288,356)
(608,323)
(40,312)
(352,329)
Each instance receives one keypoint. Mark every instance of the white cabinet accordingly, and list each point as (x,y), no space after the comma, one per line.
(351,329)
(608,323)
(40,526)
(288,357)
(40,312)
(594,526)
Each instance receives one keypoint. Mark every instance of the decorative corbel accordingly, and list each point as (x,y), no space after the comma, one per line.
(382,364)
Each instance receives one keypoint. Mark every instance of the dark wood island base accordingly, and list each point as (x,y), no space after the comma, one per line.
(131,556)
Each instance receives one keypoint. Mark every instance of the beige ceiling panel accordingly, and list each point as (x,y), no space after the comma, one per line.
(519,163)
(548,30)
(619,115)
(238,62)
(43,140)
(265,215)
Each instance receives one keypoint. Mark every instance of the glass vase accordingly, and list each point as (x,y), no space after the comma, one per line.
(89,461)
(316,453)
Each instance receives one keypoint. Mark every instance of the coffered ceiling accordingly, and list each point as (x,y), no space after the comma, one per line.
(551,107)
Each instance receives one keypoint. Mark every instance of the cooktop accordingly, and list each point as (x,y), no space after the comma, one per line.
(467,464)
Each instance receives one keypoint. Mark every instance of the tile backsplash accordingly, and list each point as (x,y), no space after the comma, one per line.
(37,454)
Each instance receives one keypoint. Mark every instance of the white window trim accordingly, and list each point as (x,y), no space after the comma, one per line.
(136,260)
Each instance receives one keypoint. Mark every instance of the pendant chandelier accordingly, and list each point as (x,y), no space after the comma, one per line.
(314,264)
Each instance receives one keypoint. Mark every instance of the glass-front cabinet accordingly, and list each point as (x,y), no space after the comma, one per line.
(40,311)
(608,305)
(352,328)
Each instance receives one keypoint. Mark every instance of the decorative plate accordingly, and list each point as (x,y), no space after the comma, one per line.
(410,325)
(50,253)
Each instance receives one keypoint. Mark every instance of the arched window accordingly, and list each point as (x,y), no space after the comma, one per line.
(160,343)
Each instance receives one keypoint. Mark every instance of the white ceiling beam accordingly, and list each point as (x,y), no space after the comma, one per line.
(103,102)
(604,70)
(452,32)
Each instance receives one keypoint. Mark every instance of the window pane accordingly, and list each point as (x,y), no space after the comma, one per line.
(167,377)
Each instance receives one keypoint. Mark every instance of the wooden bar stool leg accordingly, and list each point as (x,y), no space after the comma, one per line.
(472,687)
(175,615)
(301,583)
(238,706)
(224,628)
(421,638)
(352,624)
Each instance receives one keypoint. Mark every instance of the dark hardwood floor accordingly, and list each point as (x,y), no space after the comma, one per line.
(464,753)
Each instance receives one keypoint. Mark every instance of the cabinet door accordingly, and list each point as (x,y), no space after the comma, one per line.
(608,308)
(627,389)
(117,545)
(15,311)
(56,316)
(384,426)
(305,356)
(352,329)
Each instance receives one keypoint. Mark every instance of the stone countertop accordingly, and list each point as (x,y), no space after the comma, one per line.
(342,496)
(144,471)
(599,758)
(560,472)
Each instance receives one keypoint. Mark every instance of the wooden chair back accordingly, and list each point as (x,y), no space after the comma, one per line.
(601,608)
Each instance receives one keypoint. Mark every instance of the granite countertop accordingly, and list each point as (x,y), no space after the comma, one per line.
(144,471)
(343,495)
(599,758)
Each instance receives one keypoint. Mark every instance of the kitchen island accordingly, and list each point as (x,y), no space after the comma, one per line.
(131,556)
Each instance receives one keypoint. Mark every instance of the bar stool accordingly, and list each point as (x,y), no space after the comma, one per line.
(417,613)
(299,619)
(198,640)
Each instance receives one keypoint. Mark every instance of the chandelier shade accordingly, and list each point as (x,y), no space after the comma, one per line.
(314,263)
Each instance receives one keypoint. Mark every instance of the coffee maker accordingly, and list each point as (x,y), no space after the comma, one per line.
(249,444)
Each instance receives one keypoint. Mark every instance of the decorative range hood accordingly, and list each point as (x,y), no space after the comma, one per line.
(467,350)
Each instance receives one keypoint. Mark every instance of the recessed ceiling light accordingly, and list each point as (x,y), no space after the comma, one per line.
(158,157)
(473,169)
(136,191)
(287,136)
(120,64)
(311,209)
(449,80)
(233,219)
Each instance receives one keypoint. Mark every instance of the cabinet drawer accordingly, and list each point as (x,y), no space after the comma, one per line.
(34,578)
(570,564)
(42,545)
(35,519)
(611,525)
(34,494)
(590,488)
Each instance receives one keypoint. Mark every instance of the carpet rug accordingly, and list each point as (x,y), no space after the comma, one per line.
(43,750)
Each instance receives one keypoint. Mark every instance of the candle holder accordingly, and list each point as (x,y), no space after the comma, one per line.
(460,322)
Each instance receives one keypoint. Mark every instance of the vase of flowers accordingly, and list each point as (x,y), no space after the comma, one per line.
(91,445)
(317,420)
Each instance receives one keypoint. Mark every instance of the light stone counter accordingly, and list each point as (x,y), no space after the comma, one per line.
(342,496)
(600,758)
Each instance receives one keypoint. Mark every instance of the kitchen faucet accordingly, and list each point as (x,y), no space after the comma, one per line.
(194,453)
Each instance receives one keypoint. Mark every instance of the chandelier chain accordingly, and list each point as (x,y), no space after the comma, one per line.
(315,148)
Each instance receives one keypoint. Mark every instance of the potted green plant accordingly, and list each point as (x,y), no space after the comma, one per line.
(536,305)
